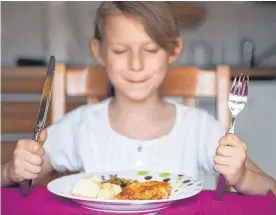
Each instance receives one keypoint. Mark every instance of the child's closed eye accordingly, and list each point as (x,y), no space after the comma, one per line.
(151,50)
(119,51)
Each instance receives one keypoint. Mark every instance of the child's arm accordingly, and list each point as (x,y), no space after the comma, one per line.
(255,181)
(251,165)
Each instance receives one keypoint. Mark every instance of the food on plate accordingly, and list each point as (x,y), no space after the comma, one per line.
(87,187)
(108,191)
(119,181)
(120,189)
(92,187)
(150,190)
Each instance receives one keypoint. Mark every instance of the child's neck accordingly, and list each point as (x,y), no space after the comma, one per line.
(148,108)
(152,118)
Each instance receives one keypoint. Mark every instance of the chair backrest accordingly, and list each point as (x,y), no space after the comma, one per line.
(88,84)
(191,83)
(22,88)
(185,81)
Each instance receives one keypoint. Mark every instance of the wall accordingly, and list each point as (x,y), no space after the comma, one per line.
(69,26)
(39,29)
(228,23)
(22,31)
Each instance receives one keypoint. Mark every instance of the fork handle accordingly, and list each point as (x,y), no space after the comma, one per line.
(221,181)
(232,126)
(220,188)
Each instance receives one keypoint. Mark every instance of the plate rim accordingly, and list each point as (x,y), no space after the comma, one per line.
(121,202)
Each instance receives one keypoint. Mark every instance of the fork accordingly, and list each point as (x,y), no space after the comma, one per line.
(236,103)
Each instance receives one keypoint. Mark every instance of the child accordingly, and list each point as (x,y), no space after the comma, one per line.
(137,129)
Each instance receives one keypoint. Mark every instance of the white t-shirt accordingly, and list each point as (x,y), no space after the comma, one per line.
(84,140)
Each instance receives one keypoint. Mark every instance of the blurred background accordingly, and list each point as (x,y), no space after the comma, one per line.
(238,34)
(214,32)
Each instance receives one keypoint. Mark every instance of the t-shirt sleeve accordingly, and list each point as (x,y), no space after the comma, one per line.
(211,132)
(60,145)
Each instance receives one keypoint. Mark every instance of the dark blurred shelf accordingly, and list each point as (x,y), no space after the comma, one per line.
(255,73)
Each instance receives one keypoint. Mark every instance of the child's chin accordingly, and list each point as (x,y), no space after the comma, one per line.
(138,96)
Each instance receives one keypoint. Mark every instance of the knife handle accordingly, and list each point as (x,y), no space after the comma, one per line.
(36,134)
(25,186)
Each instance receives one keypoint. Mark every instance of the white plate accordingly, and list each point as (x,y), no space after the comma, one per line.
(182,187)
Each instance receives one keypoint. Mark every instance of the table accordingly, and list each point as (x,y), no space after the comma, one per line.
(42,202)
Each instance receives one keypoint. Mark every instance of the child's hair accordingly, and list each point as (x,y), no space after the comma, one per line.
(155,16)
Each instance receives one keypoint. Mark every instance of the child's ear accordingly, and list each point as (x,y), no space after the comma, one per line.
(96,50)
(177,51)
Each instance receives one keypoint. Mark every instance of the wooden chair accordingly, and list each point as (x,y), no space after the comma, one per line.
(187,82)
(88,84)
(192,83)
(184,81)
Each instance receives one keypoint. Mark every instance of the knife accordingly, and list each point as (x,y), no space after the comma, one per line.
(25,186)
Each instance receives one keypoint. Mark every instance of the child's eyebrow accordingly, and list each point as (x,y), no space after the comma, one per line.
(117,43)
(125,44)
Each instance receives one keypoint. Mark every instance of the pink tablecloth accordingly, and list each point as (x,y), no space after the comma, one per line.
(42,202)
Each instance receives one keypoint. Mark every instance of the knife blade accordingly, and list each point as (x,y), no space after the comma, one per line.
(25,186)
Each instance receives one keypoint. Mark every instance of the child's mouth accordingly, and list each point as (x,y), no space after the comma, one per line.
(137,81)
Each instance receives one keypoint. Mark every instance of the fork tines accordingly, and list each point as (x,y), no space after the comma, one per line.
(240,86)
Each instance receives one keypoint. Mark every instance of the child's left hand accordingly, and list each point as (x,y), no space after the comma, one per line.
(230,159)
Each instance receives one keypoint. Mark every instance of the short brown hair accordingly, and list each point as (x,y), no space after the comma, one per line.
(156,17)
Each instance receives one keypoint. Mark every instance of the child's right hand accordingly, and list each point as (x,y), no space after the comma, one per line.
(27,159)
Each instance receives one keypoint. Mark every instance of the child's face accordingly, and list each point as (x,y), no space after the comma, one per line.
(135,64)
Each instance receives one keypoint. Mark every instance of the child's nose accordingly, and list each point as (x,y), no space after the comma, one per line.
(136,63)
